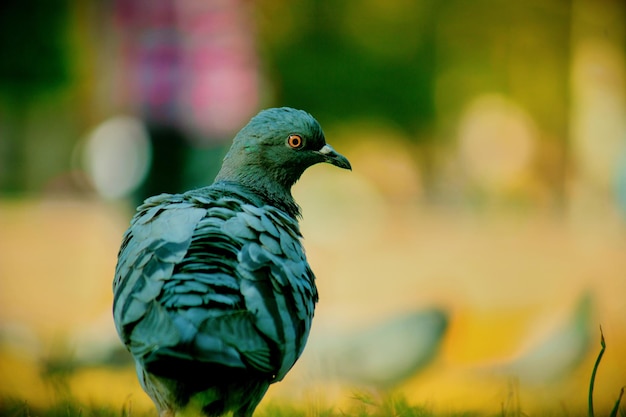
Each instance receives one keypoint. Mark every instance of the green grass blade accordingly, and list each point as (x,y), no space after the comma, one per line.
(593,373)
(616,407)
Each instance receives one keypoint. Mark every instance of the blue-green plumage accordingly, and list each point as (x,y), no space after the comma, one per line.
(213,295)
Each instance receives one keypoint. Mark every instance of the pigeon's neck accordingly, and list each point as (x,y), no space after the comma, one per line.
(270,191)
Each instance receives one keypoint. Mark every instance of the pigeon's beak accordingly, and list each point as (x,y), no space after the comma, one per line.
(332,157)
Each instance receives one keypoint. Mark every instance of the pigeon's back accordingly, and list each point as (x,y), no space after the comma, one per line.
(213,297)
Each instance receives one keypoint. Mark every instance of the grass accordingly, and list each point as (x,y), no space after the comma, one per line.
(364,405)
(13,407)
(592,381)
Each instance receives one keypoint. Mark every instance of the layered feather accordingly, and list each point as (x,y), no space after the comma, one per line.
(215,276)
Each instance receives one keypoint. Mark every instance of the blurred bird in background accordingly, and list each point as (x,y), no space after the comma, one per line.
(213,295)
(559,352)
(381,355)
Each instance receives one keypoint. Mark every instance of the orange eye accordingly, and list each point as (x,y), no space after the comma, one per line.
(295,141)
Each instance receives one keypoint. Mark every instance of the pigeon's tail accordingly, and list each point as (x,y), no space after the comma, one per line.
(211,387)
(170,364)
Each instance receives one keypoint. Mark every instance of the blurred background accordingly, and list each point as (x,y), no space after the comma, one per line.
(468,260)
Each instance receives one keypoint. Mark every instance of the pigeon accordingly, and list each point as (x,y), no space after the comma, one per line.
(558,354)
(383,355)
(213,295)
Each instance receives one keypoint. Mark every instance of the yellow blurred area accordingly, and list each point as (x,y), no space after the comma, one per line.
(54,251)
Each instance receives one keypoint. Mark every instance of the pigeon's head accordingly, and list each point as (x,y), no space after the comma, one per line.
(275,148)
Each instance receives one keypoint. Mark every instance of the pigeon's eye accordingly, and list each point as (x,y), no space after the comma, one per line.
(295,141)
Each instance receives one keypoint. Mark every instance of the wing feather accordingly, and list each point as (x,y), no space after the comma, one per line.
(214,276)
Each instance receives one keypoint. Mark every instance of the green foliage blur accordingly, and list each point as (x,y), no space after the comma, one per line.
(410,65)
(34,49)
(414,62)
